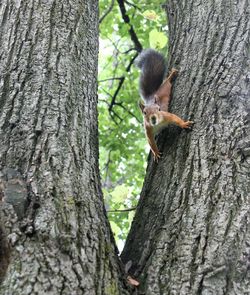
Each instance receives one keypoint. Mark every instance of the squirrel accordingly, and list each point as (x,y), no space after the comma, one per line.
(156,93)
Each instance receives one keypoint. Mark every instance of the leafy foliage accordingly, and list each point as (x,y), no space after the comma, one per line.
(123,147)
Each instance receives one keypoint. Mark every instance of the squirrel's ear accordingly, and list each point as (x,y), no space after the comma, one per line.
(155,99)
(141,105)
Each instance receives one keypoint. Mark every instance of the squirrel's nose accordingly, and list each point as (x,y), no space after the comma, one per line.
(153,120)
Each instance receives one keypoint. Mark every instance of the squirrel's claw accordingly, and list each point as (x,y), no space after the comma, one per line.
(157,156)
(188,124)
(174,71)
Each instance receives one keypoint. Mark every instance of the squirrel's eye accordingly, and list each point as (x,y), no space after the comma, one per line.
(144,113)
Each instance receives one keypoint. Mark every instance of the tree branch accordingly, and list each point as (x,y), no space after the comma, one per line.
(122,210)
(131,4)
(120,104)
(121,83)
(107,12)
(137,47)
(132,33)
(110,79)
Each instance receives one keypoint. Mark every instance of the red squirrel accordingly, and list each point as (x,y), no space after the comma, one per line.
(156,94)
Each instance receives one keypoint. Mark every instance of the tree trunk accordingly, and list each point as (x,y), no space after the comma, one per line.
(191,232)
(52,213)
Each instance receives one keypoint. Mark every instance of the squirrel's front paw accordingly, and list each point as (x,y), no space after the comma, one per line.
(187,124)
(156,155)
(174,71)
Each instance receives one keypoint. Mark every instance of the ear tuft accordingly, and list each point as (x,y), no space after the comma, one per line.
(156,99)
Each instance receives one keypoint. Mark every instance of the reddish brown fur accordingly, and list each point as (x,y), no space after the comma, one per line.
(156,113)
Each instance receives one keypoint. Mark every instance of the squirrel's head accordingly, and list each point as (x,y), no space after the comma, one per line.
(152,113)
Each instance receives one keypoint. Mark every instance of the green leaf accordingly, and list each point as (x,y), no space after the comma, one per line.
(120,193)
(157,39)
(150,14)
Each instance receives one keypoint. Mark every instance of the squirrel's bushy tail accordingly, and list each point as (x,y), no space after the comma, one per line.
(153,67)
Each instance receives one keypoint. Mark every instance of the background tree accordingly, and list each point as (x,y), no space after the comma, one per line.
(52,210)
(191,232)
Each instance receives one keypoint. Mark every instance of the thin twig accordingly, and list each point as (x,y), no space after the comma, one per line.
(128,111)
(113,118)
(122,210)
(110,79)
(120,104)
(133,5)
(107,165)
(112,103)
(108,11)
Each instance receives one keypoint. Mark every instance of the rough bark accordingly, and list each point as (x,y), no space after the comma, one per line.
(191,232)
(52,212)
